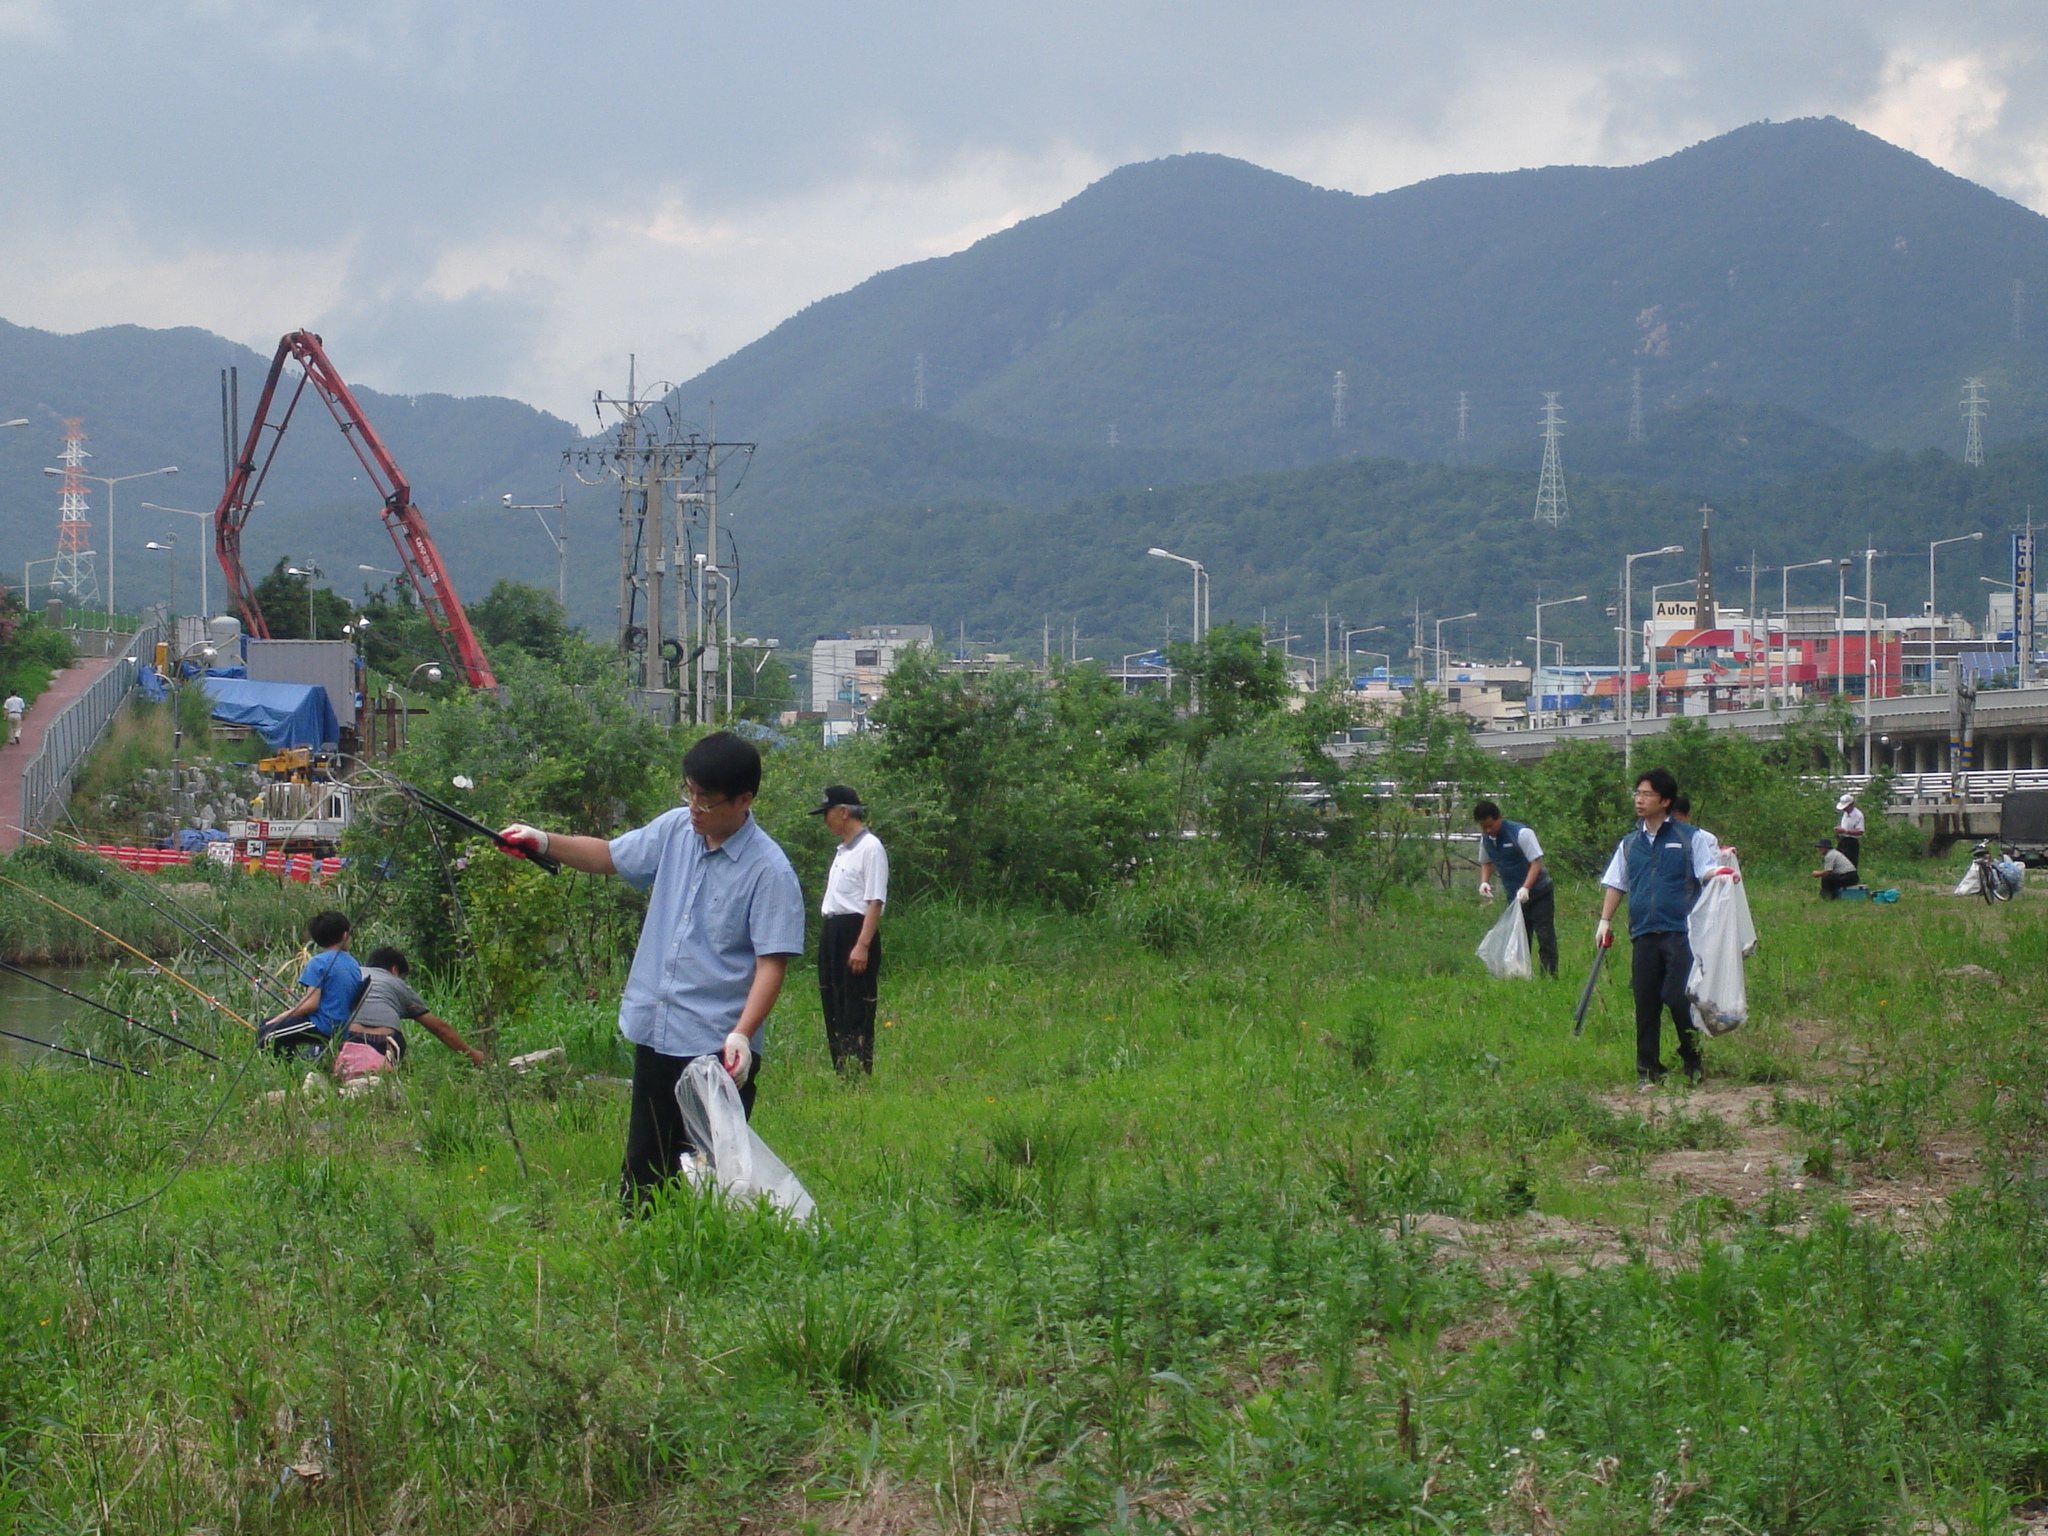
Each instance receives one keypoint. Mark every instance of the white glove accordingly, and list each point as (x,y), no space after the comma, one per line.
(531,839)
(1603,934)
(1725,871)
(1486,890)
(738,1057)
(1521,895)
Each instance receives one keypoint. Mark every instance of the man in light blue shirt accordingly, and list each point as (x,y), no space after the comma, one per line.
(724,918)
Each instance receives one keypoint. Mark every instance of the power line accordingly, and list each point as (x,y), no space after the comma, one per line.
(1552,505)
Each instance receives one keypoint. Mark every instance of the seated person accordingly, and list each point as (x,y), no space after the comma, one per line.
(333,982)
(1836,873)
(388,1001)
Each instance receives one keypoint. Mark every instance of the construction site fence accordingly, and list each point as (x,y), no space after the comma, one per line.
(302,867)
(47,777)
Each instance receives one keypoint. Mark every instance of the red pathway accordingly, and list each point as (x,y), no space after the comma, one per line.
(71,682)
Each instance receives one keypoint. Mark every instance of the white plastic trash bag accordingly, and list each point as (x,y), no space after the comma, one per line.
(1745,925)
(1505,949)
(1970,885)
(740,1160)
(1715,928)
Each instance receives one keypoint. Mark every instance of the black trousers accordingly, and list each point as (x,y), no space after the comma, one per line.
(655,1137)
(848,997)
(1832,885)
(1539,919)
(1657,973)
(1851,848)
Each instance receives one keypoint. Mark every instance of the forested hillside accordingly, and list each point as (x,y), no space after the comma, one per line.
(1201,301)
(1372,539)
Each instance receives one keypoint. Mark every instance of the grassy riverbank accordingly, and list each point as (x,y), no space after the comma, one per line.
(1303,1231)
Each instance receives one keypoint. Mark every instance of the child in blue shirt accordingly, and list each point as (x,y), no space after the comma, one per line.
(333,981)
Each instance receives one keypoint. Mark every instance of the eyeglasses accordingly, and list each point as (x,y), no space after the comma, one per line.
(697,800)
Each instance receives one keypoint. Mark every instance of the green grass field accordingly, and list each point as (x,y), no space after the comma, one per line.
(1321,1231)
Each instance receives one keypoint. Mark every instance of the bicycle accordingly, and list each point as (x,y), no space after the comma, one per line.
(1993,883)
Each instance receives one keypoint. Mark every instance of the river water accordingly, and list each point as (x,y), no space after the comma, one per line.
(27,1009)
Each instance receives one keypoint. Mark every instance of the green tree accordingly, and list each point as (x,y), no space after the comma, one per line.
(287,601)
(1229,678)
(521,617)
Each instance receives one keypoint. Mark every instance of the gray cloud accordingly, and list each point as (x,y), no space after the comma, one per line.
(510,196)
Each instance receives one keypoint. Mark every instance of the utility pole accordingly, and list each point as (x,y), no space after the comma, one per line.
(1337,403)
(1552,506)
(1635,407)
(1974,402)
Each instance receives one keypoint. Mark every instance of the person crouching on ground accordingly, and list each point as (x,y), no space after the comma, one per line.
(1836,874)
(725,916)
(1659,867)
(850,942)
(333,983)
(378,1024)
(1511,849)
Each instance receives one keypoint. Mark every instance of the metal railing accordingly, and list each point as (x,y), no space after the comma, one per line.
(46,778)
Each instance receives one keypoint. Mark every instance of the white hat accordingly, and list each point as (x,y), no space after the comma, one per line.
(1846,801)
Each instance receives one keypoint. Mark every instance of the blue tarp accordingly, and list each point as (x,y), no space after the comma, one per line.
(283,714)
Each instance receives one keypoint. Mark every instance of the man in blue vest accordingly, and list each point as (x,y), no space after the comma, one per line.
(1659,867)
(1509,849)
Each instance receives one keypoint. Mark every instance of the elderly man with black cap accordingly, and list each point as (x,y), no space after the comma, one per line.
(850,944)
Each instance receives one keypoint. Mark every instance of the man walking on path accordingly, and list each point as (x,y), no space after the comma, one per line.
(850,945)
(1659,867)
(1849,829)
(1511,849)
(16,706)
(725,917)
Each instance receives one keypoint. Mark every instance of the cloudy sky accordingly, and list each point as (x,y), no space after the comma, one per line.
(508,196)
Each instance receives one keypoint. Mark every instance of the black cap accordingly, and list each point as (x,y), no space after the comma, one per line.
(840,794)
(1823,843)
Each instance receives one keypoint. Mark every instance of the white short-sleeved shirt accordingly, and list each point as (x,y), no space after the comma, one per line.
(1705,851)
(860,874)
(1850,823)
(15,704)
(1526,841)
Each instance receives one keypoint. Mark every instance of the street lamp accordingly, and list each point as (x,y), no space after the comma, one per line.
(309,570)
(559,506)
(172,566)
(1370,629)
(431,668)
(1842,565)
(1785,614)
(1200,625)
(1456,618)
(1556,602)
(1932,546)
(205,603)
(1628,614)
(110,481)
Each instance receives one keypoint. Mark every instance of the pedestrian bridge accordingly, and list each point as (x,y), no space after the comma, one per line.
(1909,735)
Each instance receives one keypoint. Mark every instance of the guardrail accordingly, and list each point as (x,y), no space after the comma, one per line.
(46,778)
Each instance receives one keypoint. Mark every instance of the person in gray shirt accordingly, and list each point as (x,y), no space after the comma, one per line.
(388,1001)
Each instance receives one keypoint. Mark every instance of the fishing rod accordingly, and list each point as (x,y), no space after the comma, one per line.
(162,1034)
(469,823)
(210,937)
(155,965)
(49,1045)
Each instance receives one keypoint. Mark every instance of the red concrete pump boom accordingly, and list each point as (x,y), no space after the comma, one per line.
(417,556)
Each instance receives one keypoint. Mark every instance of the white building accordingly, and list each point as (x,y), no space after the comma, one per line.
(847,673)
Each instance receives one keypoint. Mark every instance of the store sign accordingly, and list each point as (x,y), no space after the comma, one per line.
(2023,594)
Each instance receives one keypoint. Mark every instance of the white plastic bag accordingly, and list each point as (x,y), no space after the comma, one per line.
(1505,949)
(740,1160)
(1745,925)
(1715,986)
(1970,884)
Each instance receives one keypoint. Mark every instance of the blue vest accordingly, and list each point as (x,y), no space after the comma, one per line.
(1661,886)
(1505,854)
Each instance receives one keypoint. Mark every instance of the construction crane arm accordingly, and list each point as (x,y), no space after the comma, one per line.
(418,557)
